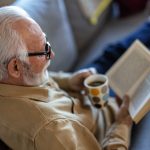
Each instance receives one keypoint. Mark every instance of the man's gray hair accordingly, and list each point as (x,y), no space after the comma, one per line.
(11,43)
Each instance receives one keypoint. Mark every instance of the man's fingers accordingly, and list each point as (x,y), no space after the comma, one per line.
(86,91)
(126,101)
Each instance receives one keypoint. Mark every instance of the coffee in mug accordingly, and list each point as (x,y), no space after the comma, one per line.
(96,83)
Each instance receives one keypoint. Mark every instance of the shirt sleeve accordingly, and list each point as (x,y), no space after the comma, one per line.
(63,134)
(117,137)
(61,78)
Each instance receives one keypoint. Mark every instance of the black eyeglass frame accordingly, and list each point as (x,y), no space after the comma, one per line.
(47,52)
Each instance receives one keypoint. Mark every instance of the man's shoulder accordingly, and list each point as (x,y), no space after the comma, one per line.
(21,116)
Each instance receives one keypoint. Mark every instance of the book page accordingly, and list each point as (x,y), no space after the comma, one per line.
(140,100)
(129,69)
(131,92)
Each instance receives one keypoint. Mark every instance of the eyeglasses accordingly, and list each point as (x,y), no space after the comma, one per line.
(47,52)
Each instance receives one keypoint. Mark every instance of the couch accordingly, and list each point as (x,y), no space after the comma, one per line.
(76,41)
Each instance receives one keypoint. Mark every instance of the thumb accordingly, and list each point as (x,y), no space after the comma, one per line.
(126,101)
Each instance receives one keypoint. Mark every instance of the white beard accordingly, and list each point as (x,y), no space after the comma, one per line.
(35,79)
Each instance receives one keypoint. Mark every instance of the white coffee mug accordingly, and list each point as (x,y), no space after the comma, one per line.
(98,89)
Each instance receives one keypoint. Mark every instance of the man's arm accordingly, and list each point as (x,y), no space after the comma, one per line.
(65,134)
(62,79)
(72,81)
(118,136)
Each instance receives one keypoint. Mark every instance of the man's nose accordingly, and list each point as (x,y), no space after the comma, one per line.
(52,55)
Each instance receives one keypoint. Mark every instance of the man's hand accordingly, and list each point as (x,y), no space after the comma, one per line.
(77,79)
(123,114)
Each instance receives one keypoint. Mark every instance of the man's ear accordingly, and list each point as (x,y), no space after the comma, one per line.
(14,68)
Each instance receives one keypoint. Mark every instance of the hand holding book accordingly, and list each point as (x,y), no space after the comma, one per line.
(123,114)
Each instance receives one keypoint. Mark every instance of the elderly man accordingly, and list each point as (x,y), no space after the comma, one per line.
(36,110)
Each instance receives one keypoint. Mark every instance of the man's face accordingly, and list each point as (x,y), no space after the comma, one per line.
(32,78)
(34,72)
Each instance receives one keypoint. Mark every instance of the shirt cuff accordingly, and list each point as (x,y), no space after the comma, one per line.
(117,137)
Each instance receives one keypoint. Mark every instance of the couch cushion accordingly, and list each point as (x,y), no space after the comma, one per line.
(140,139)
(93,9)
(84,32)
(52,17)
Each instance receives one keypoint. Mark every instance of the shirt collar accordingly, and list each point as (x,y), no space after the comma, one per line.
(40,93)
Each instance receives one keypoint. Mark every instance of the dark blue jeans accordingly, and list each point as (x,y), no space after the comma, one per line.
(113,51)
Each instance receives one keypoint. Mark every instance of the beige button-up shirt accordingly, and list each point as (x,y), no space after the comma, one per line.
(48,118)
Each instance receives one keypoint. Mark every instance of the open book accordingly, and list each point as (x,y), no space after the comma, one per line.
(130,76)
